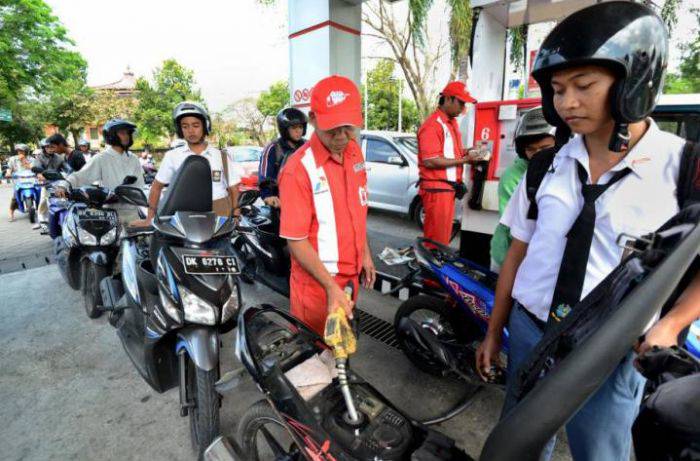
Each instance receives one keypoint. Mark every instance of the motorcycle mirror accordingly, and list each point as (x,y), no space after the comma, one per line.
(131,194)
(128,180)
(52,175)
(247,198)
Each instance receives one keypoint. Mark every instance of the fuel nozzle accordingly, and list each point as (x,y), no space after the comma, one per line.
(339,336)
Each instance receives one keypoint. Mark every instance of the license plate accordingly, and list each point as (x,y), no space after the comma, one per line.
(92,213)
(196,264)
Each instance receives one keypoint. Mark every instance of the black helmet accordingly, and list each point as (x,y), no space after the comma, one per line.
(191,109)
(531,126)
(109,132)
(289,117)
(626,37)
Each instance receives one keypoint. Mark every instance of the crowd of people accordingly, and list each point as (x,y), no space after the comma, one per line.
(606,169)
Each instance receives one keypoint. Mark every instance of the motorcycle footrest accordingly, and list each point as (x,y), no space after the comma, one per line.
(112,292)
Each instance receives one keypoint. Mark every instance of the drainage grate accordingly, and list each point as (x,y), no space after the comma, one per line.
(378,329)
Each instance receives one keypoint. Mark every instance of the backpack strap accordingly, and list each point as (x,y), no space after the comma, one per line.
(279,155)
(537,168)
(689,175)
(224,162)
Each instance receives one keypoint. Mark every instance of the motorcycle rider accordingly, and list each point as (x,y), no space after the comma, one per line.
(18,162)
(112,165)
(532,134)
(291,125)
(53,157)
(75,158)
(192,123)
(84,149)
(600,71)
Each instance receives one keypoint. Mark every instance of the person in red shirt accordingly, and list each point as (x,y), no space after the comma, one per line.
(323,195)
(440,161)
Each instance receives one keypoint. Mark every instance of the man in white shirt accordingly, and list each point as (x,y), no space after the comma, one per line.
(193,124)
(113,165)
(617,175)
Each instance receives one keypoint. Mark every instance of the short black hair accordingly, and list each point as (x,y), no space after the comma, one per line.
(441,101)
(57,140)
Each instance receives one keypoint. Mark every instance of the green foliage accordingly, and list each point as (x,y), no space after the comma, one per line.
(172,84)
(107,105)
(70,107)
(687,80)
(518,41)
(34,50)
(383,95)
(419,15)
(669,13)
(460,30)
(27,122)
(274,99)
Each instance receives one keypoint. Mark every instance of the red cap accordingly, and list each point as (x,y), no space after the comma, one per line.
(459,91)
(335,101)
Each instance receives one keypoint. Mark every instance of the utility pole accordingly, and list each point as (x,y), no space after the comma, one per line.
(400,88)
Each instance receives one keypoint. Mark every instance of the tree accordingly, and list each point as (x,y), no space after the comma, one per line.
(107,105)
(687,80)
(274,99)
(172,84)
(417,58)
(34,50)
(70,107)
(247,117)
(383,97)
(27,123)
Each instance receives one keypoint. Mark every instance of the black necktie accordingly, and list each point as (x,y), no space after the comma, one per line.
(572,272)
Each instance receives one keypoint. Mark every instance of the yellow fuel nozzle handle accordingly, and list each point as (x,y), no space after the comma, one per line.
(338,334)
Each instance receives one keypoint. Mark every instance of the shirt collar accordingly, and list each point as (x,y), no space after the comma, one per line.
(322,154)
(638,159)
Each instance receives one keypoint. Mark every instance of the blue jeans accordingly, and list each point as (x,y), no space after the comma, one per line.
(601,429)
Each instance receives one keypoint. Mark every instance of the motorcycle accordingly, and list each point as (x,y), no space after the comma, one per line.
(87,247)
(264,254)
(440,329)
(177,292)
(301,423)
(27,192)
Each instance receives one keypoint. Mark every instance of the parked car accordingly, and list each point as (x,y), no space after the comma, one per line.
(391,160)
(247,156)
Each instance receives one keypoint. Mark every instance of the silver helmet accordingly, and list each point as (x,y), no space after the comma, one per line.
(191,109)
(23,147)
(531,125)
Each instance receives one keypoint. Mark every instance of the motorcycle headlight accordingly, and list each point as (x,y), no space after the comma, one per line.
(169,306)
(196,309)
(85,237)
(110,237)
(231,306)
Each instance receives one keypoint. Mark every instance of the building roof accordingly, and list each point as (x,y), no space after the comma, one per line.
(127,82)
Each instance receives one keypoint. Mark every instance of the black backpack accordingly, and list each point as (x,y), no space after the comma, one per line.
(688,179)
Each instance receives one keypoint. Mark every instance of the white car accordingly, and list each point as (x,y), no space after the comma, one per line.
(391,160)
(247,157)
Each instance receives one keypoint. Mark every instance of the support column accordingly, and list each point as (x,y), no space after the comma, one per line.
(324,39)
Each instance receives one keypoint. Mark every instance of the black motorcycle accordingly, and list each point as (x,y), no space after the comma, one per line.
(178,291)
(264,254)
(292,425)
(86,249)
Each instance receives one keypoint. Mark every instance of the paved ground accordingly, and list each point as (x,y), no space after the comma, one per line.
(19,243)
(70,392)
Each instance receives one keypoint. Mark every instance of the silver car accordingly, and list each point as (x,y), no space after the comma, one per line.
(392,172)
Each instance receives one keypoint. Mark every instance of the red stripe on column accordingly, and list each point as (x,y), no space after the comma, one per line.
(321,25)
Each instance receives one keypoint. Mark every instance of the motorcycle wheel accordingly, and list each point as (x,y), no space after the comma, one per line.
(262,435)
(31,210)
(92,274)
(438,317)
(204,412)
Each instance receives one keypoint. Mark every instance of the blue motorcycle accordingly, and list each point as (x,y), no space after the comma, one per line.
(27,193)
(440,329)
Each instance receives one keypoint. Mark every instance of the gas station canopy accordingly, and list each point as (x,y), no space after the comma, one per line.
(511,13)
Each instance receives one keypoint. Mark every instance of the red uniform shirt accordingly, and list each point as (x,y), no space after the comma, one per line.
(321,197)
(435,136)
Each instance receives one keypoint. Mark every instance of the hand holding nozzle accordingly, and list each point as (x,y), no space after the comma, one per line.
(339,336)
